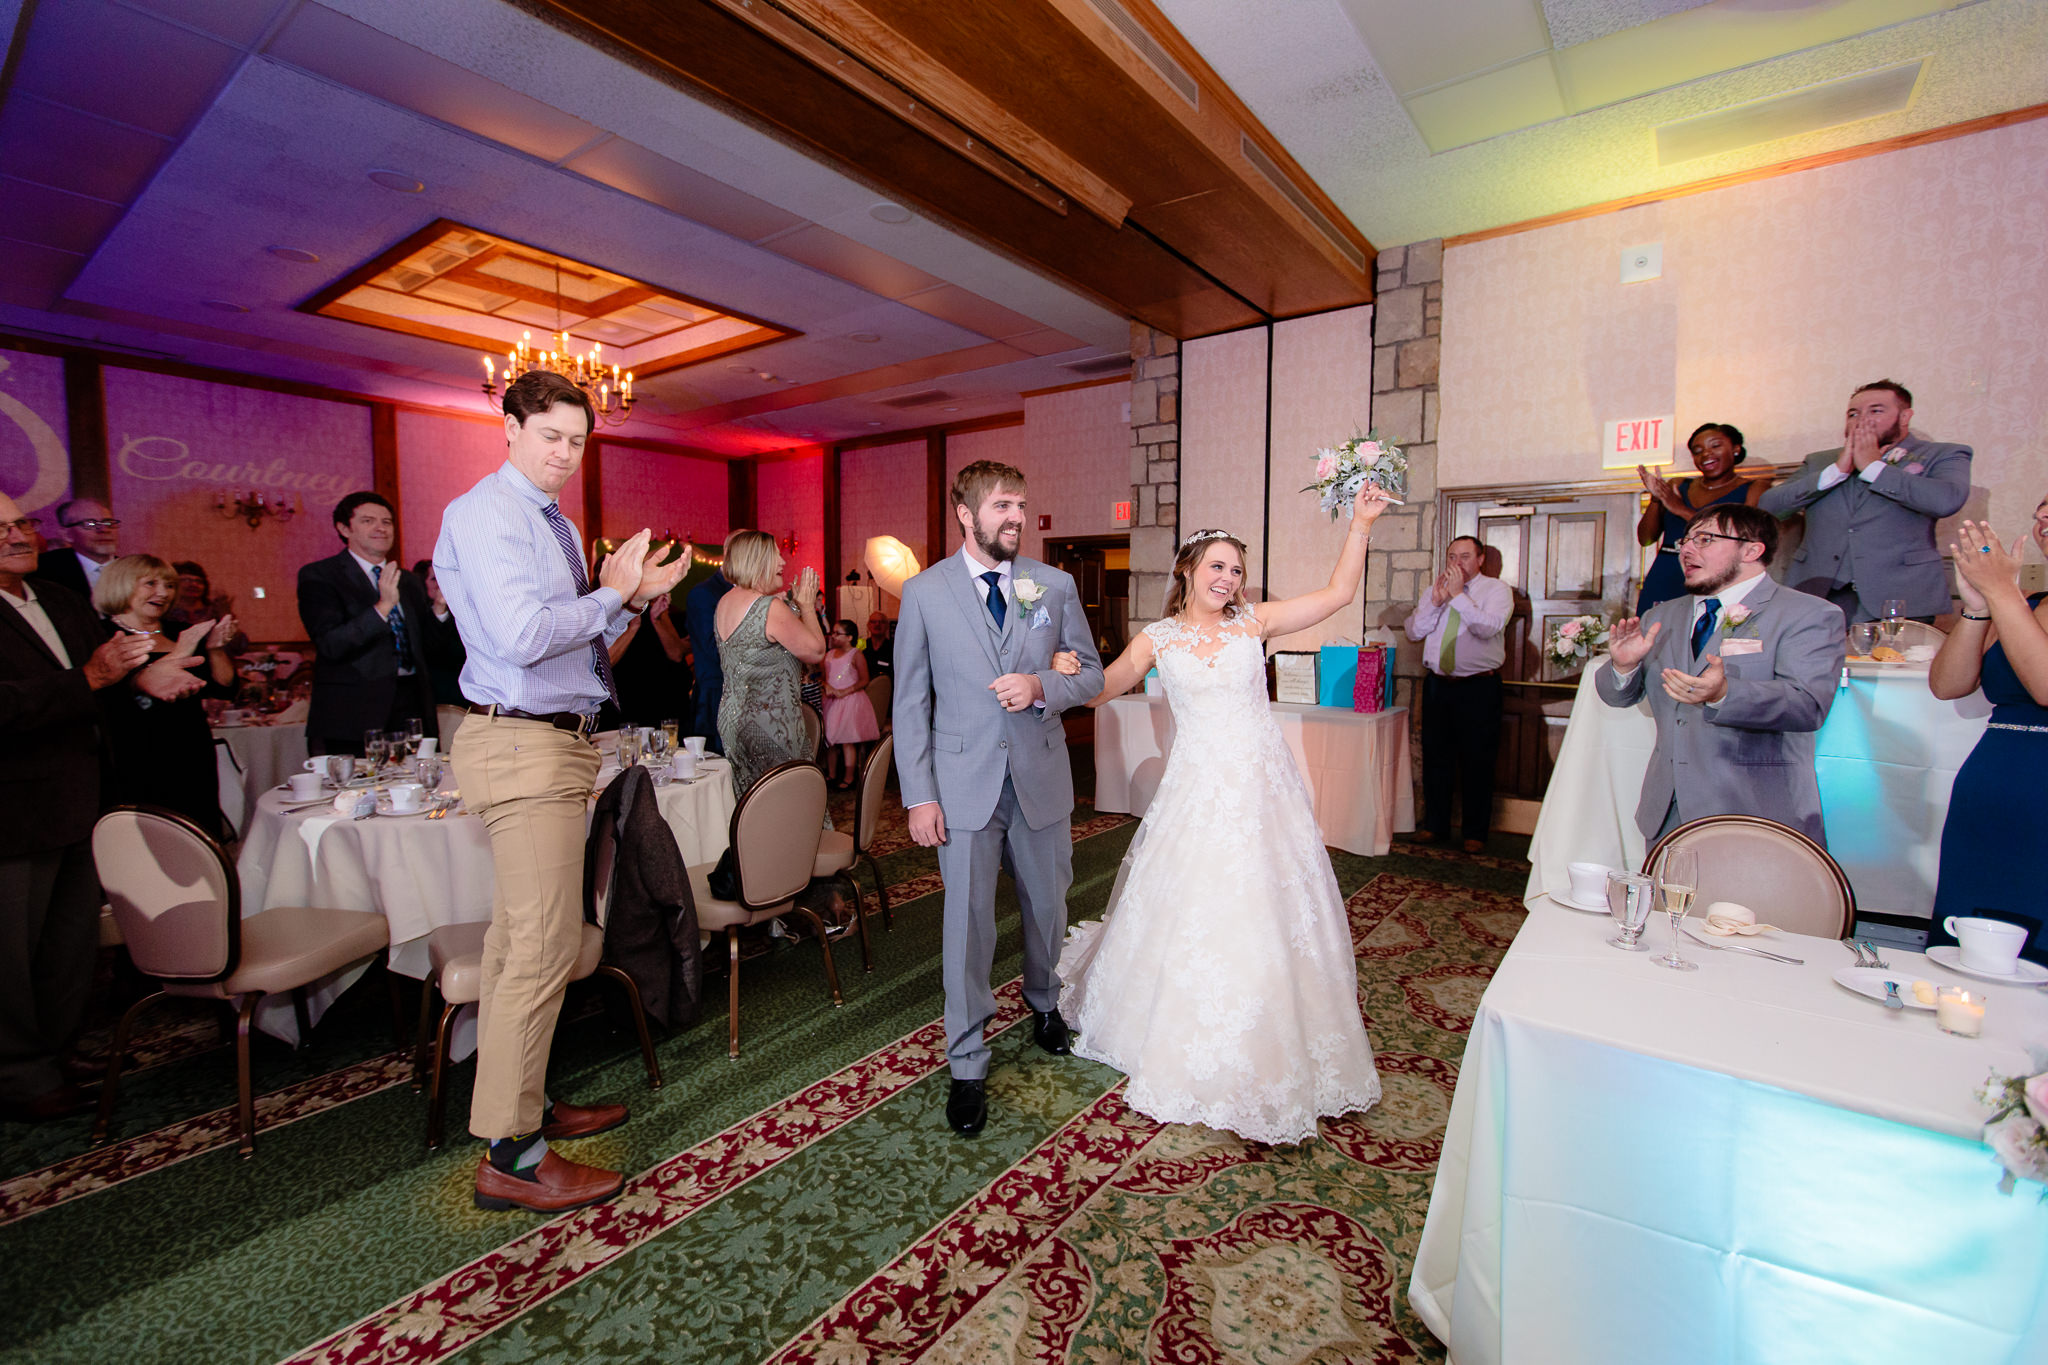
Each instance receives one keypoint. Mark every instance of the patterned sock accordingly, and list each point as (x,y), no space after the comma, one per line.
(520,1156)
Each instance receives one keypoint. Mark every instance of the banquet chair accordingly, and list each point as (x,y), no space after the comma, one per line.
(447,720)
(232,784)
(178,904)
(455,954)
(814,731)
(776,830)
(881,692)
(838,852)
(1787,878)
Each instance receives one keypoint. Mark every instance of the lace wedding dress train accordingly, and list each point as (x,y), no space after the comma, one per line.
(1221,979)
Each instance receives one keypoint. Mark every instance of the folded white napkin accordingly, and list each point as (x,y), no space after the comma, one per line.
(1726,918)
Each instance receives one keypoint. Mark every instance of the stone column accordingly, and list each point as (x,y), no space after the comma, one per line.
(1155,470)
(1407,323)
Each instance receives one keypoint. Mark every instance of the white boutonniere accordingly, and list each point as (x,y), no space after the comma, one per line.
(1027,592)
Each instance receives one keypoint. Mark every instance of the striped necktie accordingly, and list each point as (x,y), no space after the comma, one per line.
(565,536)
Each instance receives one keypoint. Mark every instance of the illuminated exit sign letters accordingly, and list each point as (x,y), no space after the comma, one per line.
(1637,440)
(1120,514)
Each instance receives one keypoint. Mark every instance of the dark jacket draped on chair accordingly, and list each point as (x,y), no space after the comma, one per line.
(635,884)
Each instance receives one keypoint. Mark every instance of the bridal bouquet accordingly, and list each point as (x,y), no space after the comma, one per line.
(2018,1130)
(1341,472)
(1574,641)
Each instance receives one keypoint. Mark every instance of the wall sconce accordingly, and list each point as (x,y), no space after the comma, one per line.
(789,543)
(253,507)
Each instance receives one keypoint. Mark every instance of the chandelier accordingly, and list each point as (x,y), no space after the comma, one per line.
(611,395)
(253,507)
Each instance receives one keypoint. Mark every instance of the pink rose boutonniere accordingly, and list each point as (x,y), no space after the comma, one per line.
(1736,617)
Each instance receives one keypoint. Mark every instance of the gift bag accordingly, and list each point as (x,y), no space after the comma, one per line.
(1370,689)
(1334,665)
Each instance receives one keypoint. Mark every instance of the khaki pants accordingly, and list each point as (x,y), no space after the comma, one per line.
(530,783)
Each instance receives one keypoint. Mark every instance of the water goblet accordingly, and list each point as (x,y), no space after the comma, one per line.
(660,744)
(1863,638)
(430,773)
(1678,882)
(1630,899)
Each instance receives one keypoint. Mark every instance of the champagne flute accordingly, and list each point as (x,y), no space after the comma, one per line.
(414,733)
(1894,620)
(629,746)
(1678,881)
(375,749)
(673,729)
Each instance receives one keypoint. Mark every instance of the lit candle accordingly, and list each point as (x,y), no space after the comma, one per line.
(1958,1012)
(490,371)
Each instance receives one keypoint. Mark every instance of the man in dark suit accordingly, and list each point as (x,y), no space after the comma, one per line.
(1871,506)
(363,614)
(700,613)
(53,657)
(86,542)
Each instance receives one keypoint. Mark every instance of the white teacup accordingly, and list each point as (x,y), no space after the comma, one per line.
(683,765)
(427,747)
(305,786)
(1988,945)
(694,745)
(1589,882)
(407,796)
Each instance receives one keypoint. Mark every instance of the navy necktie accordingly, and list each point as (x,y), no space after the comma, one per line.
(565,536)
(997,607)
(1703,629)
(397,620)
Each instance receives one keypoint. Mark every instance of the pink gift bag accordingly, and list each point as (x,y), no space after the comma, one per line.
(1369,689)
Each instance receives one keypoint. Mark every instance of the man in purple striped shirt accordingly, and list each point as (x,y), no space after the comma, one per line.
(511,567)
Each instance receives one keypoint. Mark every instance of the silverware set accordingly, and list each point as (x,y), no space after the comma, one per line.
(1862,947)
(1743,948)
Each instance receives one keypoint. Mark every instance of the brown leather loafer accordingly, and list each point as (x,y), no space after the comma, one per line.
(1423,836)
(575,1121)
(1475,845)
(563,1185)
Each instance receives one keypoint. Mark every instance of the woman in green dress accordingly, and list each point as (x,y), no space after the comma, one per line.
(764,646)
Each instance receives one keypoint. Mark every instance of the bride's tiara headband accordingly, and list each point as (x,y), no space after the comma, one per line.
(1197,537)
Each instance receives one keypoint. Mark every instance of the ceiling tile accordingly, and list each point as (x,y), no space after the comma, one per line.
(1045,341)
(241,22)
(335,46)
(629,167)
(40,142)
(970,310)
(1420,45)
(1519,96)
(34,276)
(850,261)
(123,65)
(71,222)
(1581,21)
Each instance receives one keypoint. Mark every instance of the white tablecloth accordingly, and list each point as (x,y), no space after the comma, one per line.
(1744,1163)
(1357,765)
(267,755)
(418,873)
(1886,759)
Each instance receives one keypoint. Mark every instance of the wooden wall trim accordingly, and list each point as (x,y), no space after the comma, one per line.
(1733,178)
(742,494)
(909,434)
(936,490)
(85,422)
(384,457)
(830,558)
(593,490)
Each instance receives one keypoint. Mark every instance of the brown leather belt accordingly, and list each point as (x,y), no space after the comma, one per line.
(575,722)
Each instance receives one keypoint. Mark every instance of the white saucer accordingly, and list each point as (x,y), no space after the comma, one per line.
(1869,982)
(1570,902)
(2024,973)
(386,811)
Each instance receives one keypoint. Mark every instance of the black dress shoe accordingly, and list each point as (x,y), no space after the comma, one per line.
(1051,1033)
(966,1107)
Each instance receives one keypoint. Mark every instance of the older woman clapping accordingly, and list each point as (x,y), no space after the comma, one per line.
(163,750)
(764,641)
(1993,860)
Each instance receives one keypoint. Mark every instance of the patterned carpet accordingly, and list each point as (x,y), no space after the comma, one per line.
(804,1204)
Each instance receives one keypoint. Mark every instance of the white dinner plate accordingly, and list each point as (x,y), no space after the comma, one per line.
(2024,973)
(1570,902)
(1869,981)
(385,811)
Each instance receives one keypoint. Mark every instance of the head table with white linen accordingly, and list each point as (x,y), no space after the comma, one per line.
(1747,1162)
(1356,764)
(419,873)
(1886,759)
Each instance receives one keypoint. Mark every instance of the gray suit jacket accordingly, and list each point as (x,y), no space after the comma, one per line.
(954,742)
(1879,536)
(1752,753)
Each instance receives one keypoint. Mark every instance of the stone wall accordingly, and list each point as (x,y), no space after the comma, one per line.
(1155,469)
(1407,334)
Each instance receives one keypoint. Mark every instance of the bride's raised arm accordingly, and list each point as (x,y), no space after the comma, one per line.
(1123,675)
(1299,613)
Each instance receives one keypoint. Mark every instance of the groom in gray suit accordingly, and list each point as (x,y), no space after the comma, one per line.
(1740,675)
(982,759)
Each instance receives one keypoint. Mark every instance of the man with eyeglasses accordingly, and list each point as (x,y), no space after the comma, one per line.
(54,658)
(1740,674)
(84,544)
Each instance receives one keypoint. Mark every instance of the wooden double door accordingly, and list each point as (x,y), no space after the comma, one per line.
(1101,568)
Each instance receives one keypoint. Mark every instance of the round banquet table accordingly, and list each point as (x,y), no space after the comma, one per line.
(266,754)
(418,873)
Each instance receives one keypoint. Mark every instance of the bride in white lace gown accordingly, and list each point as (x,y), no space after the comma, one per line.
(1221,978)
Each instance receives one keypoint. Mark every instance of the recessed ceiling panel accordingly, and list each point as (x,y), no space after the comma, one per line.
(1827,105)
(456,284)
(40,141)
(143,72)
(1418,45)
(1518,96)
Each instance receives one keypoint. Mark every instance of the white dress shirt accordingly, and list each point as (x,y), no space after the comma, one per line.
(92,569)
(39,620)
(975,570)
(1484,606)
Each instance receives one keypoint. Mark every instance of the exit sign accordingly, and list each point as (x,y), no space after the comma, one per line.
(1120,514)
(1637,440)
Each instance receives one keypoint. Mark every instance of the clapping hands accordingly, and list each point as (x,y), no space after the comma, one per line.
(1984,567)
(1628,643)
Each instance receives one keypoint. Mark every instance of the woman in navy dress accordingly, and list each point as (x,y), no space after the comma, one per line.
(1993,859)
(1716,451)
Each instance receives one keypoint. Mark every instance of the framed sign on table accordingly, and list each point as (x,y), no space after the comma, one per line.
(1294,676)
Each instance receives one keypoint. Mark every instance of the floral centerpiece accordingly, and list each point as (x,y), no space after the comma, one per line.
(2018,1128)
(1572,642)
(1342,470)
